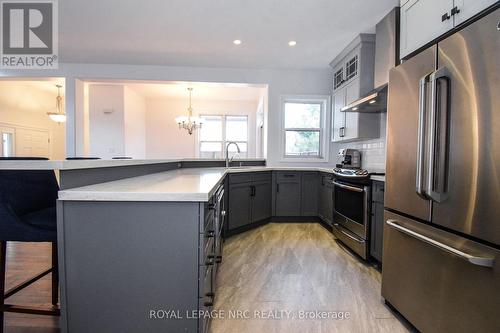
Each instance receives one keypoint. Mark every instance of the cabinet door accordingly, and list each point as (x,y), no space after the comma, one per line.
(421,22)
(325,210)
(288,198)
(310,192)
(338,118)
(329,202)
(351,118)
(262,201)
(469,8)
(240,205)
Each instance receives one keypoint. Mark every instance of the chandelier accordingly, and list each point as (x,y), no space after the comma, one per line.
(189,123)
(58,116)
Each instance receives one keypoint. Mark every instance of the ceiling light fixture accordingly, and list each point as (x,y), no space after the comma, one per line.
(372,101)
(236,42)
(58,116)
(189,123)
(292,43)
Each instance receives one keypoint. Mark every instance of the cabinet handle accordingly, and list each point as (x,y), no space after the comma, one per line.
(218,259)
(445,17)
(252,193)
(223,213)
(210,260)
(454,11)
(210,234)
(277,188)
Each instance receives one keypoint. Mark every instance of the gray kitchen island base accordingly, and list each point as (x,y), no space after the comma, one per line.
(121,260)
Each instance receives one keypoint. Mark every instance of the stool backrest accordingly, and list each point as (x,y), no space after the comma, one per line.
(28,191)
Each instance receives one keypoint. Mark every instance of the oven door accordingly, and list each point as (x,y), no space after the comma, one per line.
(351,207)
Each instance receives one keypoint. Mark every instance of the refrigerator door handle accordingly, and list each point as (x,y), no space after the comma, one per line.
(422,101)
(438,135)
(475,260)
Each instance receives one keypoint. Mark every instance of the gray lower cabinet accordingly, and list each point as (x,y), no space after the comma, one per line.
(377,220)
(122,264)
(309,191)
(240,205)
(249,198)
(325,209)
(262,201)
(288,194)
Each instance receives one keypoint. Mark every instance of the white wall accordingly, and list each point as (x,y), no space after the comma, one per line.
(25,106)
(135,124)
(164,139)
(106,121)
(280,82)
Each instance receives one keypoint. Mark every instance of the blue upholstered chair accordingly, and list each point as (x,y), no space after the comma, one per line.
(27,214)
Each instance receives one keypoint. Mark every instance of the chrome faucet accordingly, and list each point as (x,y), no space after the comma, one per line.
(227,152)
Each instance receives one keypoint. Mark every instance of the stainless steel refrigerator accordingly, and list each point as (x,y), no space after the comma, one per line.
(441,257)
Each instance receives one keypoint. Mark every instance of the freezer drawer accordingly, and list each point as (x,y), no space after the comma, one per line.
(439,281)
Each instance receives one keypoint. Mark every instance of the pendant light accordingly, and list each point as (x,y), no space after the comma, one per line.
(58,116)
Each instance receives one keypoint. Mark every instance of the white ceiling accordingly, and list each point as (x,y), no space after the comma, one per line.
(201,90)
(200,32)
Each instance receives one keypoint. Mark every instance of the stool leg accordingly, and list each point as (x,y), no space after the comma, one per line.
(3,259)
(55,275)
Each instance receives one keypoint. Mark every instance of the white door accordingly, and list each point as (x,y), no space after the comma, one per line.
(422,22)
(32,143)
(338,118)
(351,118)
(469,8)
(7,142)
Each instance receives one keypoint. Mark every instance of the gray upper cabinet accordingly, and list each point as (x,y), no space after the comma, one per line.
(422,21)
(353,71)
(310,191)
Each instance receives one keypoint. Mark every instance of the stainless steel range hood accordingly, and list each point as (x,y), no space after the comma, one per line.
(386,57)
(375,101)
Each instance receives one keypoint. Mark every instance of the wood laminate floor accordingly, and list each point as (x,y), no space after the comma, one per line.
(280,266)
(298,267)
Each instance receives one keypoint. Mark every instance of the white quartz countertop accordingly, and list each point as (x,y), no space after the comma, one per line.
(89,164)
(380,178)
(186,184)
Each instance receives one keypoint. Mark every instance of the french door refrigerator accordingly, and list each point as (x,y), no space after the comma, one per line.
(441,252)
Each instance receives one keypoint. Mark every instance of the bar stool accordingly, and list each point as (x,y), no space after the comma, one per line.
(28,214)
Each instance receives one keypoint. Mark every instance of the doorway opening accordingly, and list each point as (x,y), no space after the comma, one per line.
(31,120)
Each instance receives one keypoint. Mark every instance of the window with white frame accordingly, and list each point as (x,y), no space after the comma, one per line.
(304,130)
(217,131)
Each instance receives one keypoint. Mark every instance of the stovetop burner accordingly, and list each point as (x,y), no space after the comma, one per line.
(351,173)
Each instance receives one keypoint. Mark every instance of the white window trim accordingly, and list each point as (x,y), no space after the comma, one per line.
(324,132)
(224,140)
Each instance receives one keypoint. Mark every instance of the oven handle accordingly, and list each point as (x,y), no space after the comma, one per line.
(479,261)
(347,187)
(339,228)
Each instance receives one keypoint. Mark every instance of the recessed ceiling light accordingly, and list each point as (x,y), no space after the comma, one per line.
(372,101)
(236,42)
(292,43)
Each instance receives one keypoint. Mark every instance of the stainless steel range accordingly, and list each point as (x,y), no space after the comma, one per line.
(351,202)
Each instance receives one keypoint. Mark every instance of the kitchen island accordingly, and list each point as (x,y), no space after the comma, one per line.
(140,244)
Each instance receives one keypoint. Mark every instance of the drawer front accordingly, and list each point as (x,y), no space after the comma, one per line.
(236,178)
(288,175)
(207,247)
(262,176)
(350,239)
(209,222)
